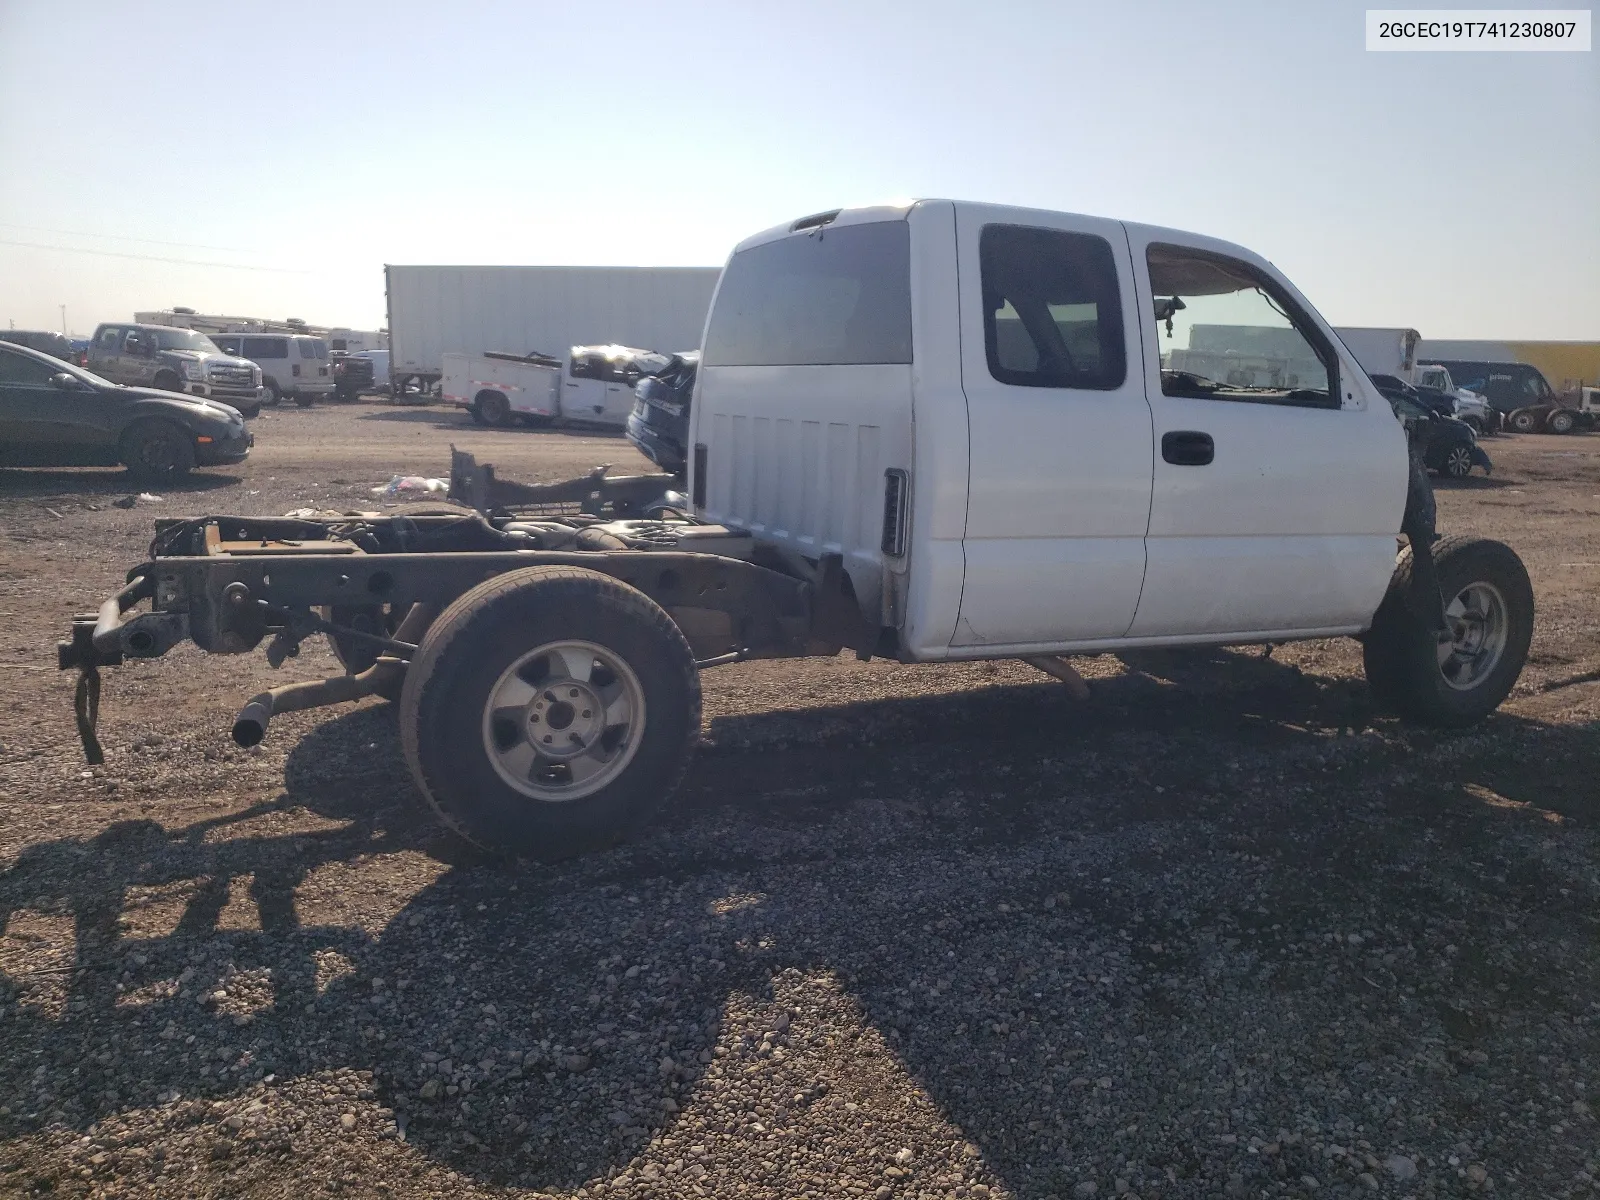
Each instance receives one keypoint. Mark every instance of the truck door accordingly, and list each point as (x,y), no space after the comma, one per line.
(1278,483)
(1058,428)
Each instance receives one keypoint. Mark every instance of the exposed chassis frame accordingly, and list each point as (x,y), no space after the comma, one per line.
(285,579)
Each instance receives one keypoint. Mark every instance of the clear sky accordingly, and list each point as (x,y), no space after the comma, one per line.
(313,142)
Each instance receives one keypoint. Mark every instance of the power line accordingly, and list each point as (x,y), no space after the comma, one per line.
(119,237)
(188,262)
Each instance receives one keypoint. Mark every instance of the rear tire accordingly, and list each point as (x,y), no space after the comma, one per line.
(157,452)
(304,399)
(1457,682)
(518,772)
(1560,421)
(492,408)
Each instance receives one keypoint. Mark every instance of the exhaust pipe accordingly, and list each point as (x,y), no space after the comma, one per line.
(250,726)
(1059,668)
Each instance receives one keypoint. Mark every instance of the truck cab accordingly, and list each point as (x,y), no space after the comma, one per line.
(996,417)
(175,360)
(936,431)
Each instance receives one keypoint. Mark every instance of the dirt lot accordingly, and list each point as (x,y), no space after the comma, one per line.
(905,932)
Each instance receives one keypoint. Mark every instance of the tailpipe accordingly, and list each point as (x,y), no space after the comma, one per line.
(250,726)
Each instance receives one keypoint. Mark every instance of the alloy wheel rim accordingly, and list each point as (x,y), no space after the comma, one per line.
(1479,627)
(563,721)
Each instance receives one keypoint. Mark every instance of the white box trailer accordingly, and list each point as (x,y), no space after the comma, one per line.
(1383,351)
(438,310)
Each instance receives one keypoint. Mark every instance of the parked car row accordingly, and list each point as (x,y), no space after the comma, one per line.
(55,414)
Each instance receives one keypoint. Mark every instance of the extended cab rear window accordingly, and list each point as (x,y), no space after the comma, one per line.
(831,296)
(1052,312)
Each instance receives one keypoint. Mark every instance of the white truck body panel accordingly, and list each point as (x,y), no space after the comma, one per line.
(1294,523)
(531,389)
(535,390)
(1059,498)
(803,447)
(1383,351)
(1045,518)
(438,310)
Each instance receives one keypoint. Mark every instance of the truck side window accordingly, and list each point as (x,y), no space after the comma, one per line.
(1228,332)
(829,295)
(1052,311)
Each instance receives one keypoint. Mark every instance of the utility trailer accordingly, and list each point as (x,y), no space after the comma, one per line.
(933,432)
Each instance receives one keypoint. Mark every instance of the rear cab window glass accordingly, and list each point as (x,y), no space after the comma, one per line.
(1228,332)
(1052,310)
(831,296)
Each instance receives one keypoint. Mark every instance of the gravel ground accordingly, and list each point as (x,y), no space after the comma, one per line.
(905,932)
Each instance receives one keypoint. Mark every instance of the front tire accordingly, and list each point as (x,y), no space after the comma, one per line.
(549,712)
(1524,420)
(157,452)
(1456,679)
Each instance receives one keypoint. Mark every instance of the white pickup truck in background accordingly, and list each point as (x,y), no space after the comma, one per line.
(593,384)
(931,432)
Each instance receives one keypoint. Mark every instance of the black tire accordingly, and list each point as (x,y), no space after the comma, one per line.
(273,397)
(168,381)
(1457,462)
(1402,654)
(469,652)
(1560,421)
(253,410)
(304,399)
(477,417)
(492,408)
(1524,420)
(157,451)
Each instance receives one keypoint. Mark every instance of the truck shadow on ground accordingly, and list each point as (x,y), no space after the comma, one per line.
(1016,850)
(69,483)
(457,420)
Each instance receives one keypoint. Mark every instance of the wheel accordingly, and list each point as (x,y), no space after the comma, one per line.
(549,711)
(156,451)
(1458,462)
(273,397)
(477,417)
(304,399)
(1524,420)
(1560,421)
(168,381)
(252,410)
(492,408)
(1453,679)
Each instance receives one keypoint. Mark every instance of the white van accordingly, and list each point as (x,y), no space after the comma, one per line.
(292,364)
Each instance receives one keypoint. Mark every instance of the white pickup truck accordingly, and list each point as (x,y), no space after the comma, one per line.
(935,432)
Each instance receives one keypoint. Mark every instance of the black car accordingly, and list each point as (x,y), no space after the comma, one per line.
(1448,446)
(53,414)
(659,422)
(45,341)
